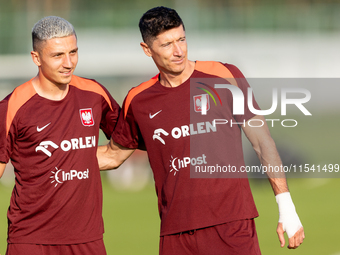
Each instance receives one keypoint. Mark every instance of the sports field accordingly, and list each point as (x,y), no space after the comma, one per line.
(263,38)
(132,222)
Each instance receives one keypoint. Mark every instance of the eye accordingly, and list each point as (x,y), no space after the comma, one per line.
(57,55)
(166,44)
(74,51)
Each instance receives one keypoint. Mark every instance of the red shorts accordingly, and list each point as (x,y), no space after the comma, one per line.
(232,238)
(90,248)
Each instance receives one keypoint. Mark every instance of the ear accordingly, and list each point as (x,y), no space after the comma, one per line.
(146,49)
(36,58)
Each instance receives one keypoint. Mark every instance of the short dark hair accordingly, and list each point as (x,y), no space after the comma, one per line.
(158,20)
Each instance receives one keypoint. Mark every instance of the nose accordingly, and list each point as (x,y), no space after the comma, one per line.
(177,50)
(67,61)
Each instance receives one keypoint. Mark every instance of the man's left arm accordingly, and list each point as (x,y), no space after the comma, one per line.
(266,151)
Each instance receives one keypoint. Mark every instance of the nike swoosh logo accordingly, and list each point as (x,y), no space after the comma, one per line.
(153,115)
(41,129)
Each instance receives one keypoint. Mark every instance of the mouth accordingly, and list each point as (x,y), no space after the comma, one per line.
(178,61)
(66,72)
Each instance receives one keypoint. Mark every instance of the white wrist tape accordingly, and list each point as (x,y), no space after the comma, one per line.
(288,216)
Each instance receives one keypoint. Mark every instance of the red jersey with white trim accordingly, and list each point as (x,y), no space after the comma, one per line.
(179,137)
(57,197)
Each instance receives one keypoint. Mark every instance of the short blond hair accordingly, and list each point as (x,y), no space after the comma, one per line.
(50,27)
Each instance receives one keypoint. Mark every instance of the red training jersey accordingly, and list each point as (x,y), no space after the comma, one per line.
(176,126)
(57,197)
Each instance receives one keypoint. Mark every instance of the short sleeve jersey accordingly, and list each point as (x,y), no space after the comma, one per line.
(57,197)
(178,137)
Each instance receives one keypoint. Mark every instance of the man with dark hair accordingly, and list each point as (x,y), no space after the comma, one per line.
(49,130)
(168,115)
(158,20)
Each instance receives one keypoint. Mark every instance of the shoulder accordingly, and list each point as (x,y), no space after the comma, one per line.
(223,70)
(84,83)
(91,85)
(140,88)
(22,92)
(19,96)
(14,102)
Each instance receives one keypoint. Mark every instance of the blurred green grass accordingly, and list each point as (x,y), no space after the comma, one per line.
(315,202)
(132,221)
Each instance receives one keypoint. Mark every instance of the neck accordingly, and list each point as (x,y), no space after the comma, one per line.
(176,79)
(49,90)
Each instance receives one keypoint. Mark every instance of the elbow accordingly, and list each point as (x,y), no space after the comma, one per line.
(2,168)
(110,164)
(116,164)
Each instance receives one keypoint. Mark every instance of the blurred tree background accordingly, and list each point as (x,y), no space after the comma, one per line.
(264,38)
(17,16)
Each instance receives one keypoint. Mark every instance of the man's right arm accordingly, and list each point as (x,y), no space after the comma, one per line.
(112,155)
(2,168)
